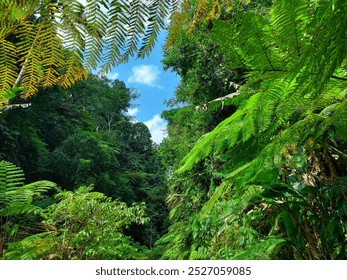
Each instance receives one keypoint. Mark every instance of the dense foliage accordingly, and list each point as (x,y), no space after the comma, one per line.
(255,162)
(269,181)
(82,136)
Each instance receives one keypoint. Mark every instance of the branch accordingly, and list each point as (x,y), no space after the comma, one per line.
(217,100)
(338,151)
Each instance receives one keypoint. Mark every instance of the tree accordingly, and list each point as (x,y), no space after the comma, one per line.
(81,136)
(277,165)
(50,42)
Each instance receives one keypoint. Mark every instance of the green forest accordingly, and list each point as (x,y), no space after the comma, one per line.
(254,165)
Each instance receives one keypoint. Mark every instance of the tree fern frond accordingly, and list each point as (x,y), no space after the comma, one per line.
(177,18)
(257,39)
(52,51)
(8,70)
(207,143)
(326,52)
(73,70)
(71,28)
(157,14)
(289,21)
(116,34)
(101,33)
(138,15)
(15,197)
(32,72)
(10,174)
(96,26)
(225,34)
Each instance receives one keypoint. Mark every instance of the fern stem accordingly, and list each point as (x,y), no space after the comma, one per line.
(265,53)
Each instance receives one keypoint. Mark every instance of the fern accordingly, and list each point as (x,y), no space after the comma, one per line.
(53,38)
(289,28)
(15,196)
(275,153)
(9,71)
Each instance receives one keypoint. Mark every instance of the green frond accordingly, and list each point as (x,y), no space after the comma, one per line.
(71,28)
(290,27)
(96,26)
(157,14)
(15,197)
(10,175)
(138,15)
(326,53)
(52,53)
(224,33)
(56,38)
(73,70)
(31,247)
(32,72)
(8,71)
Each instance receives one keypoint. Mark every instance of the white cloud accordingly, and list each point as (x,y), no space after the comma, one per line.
(114,76)
(132,112)
(145,74)
(157,127)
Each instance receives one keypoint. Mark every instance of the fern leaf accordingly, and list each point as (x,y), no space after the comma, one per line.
(96,25)
(15,197)
(52,51)
(290,27)
(8,71)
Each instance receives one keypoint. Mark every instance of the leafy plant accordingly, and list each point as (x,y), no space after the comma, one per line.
(16,199)
(83,225)
(287,137)
(46,43)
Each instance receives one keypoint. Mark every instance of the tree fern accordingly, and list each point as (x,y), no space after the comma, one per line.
(16,198)
(49,39)
(275,156)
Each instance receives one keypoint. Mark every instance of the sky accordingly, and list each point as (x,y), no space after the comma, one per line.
(153,84)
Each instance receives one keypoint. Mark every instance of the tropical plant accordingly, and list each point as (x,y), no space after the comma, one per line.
(83,225)
(16,199)
(277,185)
(49,42)
(81,136)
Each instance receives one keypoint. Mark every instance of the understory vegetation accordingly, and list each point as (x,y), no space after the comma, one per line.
(254,165)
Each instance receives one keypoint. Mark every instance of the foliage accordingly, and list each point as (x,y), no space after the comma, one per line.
(16,199)
(83,225)
(276,166)
(46,43)
(259,174)
(81,136)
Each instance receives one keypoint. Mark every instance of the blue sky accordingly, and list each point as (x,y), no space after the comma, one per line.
(153,84)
